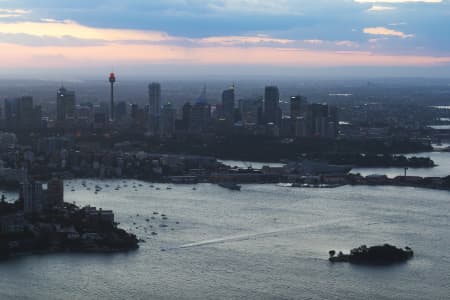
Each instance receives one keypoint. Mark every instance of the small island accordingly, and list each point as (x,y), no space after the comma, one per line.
(41,222)
(383,254)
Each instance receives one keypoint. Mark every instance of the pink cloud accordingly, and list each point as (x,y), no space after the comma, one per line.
(121,54)
(120,46)
(386,32)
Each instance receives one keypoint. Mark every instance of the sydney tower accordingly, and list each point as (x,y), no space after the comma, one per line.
(112,80)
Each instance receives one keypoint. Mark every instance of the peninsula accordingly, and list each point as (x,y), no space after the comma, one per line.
(37,224)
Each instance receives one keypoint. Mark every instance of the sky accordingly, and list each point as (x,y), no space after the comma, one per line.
(182,38)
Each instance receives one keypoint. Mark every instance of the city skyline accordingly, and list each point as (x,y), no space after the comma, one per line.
(228,37)
(224,149)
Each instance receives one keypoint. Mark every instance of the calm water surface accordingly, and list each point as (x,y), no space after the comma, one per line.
(266,242)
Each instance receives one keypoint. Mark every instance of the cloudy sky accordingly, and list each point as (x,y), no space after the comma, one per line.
(241,36)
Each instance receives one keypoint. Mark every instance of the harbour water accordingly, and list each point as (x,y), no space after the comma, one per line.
(265,242)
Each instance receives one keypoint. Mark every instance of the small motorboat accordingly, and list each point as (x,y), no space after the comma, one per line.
(230,186)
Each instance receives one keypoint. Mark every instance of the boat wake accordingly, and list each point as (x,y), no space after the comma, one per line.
(244,237)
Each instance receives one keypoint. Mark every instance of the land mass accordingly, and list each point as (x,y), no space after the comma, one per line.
(383,254)
(66,228)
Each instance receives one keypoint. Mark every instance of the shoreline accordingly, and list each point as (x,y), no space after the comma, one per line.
(347,179)
(62,228)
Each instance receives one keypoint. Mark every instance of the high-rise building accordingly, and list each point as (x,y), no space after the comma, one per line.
(154,98)
(167,120)
(186,115)
(333,115)
(20,113)
(286,128)
(154,108)
(10,109)
(319,118)
(65,104)
(228,104)
(251,110)
(301,127)
(271,104)
(200,117)
(121,110)
(25,109)
(298,105)
(139,116)
(37,199)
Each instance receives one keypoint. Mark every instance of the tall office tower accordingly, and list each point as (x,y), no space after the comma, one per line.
(154,98)
(250,110)
(301,127)
(167,120)
(186,115)
(10,109)
(121,110)
(298,106)
(271,104)
(200,117)
(333,114)
(24,106)
(228,104)
(154,109)
(28,115)
(319,114)
(20,113)
(333,127)
(65,104)
(112,80)
(139,116)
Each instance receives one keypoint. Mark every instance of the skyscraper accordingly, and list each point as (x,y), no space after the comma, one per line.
(186,115)
(27,116)
(121,110)
(200,117)
(154,107)
(271,104)
(65,104)
(228,103)
(298,105)
(250,110)
(154,98)
(167,120)
(11,109)
(319,113)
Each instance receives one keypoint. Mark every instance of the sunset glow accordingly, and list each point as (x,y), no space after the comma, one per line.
(30,39)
